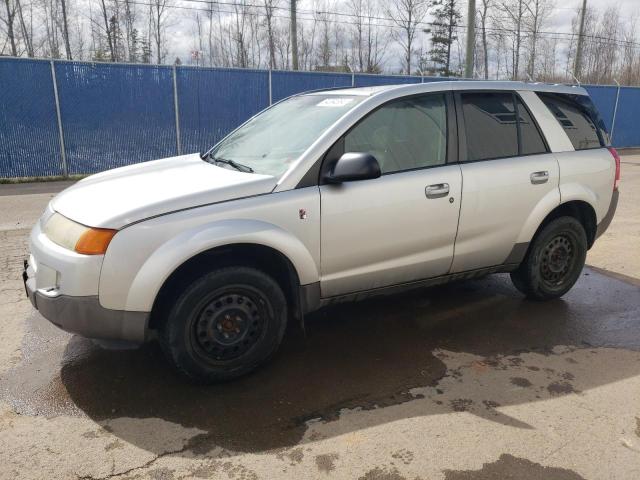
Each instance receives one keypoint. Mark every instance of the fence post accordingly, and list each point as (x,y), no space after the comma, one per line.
(353,79)
(63,153)
(177,110)
(270,90)
(615,109)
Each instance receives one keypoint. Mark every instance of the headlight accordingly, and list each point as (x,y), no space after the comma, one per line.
(77,237)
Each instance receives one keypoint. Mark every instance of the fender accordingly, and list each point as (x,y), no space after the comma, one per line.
(168,256)
(568,193)
(546,204)
(576,191)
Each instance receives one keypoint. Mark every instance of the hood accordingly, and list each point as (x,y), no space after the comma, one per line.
(118,197)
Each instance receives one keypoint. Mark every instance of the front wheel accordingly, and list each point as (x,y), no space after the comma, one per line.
(225,324)
(554,261)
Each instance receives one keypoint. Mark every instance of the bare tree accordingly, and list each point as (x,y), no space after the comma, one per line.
(108,30)
(484,16)
(600,52)
(630,67)
(407,15)
(307,44)
(50,14)
(283,41)
(375,41)
(158,13)
(513,20)
(539,11)
(366,39)
(131,32)
(26,30)
(325,51)
(65,29)
(356,9)
(269,7)
(11,14)
(238,33)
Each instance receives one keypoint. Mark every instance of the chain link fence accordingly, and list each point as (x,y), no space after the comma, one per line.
(60,118)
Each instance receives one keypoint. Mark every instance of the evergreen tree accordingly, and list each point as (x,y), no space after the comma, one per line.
(145,51)
(443,33)
(134,46)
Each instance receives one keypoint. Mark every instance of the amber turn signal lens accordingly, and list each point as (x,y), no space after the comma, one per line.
(94,241)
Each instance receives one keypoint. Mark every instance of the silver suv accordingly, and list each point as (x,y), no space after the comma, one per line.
(325,197)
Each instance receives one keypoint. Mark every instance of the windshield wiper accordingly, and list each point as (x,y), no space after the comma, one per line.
(231,163)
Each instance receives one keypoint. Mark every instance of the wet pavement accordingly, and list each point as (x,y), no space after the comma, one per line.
(364,355)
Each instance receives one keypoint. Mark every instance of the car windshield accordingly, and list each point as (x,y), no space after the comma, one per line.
(272,141)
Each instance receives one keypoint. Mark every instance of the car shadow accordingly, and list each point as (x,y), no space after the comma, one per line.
(363,355)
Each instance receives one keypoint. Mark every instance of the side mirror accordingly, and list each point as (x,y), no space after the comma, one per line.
(354,166)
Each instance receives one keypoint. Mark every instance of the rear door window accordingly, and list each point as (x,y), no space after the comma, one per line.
(574,119)
(490,125)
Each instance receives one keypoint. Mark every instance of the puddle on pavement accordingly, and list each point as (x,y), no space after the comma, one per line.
(369,354)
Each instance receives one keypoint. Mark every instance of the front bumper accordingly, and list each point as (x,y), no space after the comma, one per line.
(85,316)
(63,286)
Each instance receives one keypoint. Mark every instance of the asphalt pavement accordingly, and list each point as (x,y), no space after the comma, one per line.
(463,381)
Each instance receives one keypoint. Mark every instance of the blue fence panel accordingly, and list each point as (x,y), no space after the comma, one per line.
(364,80)
(604,98)
(285,84)
(212,102)
(115,115)
(626,132)
(29,140)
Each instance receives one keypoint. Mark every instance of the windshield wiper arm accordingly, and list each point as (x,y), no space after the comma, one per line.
(232,163)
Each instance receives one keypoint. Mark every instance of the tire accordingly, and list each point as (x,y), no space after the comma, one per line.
(554,261)
(225,324)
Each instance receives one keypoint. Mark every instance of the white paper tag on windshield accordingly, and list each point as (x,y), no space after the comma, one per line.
(335,102)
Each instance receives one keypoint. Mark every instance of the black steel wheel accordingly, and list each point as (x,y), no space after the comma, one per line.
(554,261)
(225,324)
(230,324)
(557,259)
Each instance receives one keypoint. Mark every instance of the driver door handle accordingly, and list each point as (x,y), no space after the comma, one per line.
(539,177)
(437,190)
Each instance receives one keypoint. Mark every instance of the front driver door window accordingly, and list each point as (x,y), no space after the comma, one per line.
(387,231)
(404,135)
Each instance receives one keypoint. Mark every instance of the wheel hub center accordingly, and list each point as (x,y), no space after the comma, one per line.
(558,259)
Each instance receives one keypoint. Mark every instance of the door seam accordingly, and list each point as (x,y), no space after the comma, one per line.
(455,238)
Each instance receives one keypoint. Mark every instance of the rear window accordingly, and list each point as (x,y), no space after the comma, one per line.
(579,119)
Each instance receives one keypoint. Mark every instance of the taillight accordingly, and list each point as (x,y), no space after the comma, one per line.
(616,157)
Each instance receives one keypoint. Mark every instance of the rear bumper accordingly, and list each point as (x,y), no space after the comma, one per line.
(606,221)
(85,316)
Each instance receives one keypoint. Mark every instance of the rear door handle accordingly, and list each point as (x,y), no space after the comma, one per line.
(539,177)
(436,191)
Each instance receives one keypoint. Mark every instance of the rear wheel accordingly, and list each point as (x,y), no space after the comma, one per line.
(554,261)
(225,324)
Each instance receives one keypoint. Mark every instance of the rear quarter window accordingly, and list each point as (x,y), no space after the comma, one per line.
(578,118)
